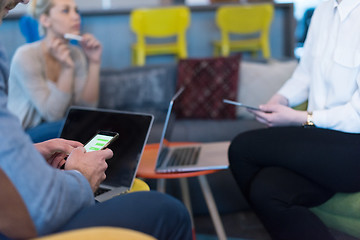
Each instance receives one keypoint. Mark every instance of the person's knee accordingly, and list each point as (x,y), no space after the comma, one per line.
(233,150)
(166,206)
(266,190)
(171,215)
(174,208)
(238,147)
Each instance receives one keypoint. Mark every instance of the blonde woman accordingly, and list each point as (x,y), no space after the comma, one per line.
(60,75)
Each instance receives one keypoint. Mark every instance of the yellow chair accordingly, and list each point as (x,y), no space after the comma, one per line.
(251,22)
(96,233)
(159,23)
(139,185)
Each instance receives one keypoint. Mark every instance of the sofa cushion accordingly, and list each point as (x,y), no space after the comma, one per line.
(145,89)
(341,212)
(259,81)
(207,82)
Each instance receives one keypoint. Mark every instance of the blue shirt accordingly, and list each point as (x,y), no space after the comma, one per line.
(51,196)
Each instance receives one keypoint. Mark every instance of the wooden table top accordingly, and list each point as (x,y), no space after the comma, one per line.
(147,165)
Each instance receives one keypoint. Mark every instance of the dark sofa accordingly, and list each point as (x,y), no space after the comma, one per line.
(149,89)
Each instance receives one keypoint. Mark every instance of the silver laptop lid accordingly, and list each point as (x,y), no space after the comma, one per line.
(165,131)
(133,128)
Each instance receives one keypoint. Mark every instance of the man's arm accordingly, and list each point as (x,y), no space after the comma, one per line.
(52,196)
(4,70)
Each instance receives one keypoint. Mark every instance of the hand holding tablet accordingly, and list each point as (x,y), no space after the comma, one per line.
(239,104)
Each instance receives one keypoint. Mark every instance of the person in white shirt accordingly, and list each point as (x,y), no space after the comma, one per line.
(305,157)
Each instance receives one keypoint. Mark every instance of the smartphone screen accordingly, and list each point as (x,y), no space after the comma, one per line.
(100,141)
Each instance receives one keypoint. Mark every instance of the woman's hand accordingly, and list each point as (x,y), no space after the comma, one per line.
(278,99)
(276,115)
(56,150)
(92,48)
(59,49)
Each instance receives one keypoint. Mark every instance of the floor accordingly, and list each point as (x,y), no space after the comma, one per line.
(243,225)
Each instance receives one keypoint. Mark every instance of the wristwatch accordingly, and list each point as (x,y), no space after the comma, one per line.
(309,120)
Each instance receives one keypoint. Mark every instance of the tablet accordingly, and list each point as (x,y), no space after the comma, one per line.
(239,104)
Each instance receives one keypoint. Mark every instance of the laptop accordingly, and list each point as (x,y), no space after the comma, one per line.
(133,129)
(195,157)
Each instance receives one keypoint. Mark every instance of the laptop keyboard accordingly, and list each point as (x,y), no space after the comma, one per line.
(163,154)
(184,156)
(100,191)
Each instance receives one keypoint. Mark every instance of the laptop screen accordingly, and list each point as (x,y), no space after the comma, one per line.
(168,126)
(82,124)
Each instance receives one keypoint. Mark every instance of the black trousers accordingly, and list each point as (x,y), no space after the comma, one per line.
(284,171)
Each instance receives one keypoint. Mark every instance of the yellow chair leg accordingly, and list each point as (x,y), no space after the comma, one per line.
(254,54)
(225,51)
(216,51)
(138,57)
(266,51)
(133,57)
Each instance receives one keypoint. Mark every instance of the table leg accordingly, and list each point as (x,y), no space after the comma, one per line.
(185,195)
(219,228)
(160,185)
(187,202)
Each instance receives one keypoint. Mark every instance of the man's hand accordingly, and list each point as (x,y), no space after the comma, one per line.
(91,164)
(55,150)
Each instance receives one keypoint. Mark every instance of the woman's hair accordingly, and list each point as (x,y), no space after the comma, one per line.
(38,7)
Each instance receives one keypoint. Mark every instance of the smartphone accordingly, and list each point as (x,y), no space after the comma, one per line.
(241,105)
(101,140)
(70,36)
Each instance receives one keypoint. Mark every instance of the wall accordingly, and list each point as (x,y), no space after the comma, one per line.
(112,29)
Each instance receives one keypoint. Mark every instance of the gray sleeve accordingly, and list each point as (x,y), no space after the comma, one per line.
(4,70)
(52,196)
(49,101)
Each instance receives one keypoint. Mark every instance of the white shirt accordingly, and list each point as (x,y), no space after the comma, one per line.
(328,74)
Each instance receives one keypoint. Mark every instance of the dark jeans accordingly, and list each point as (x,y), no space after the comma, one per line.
(284,171)
(45,131)
(153,213)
